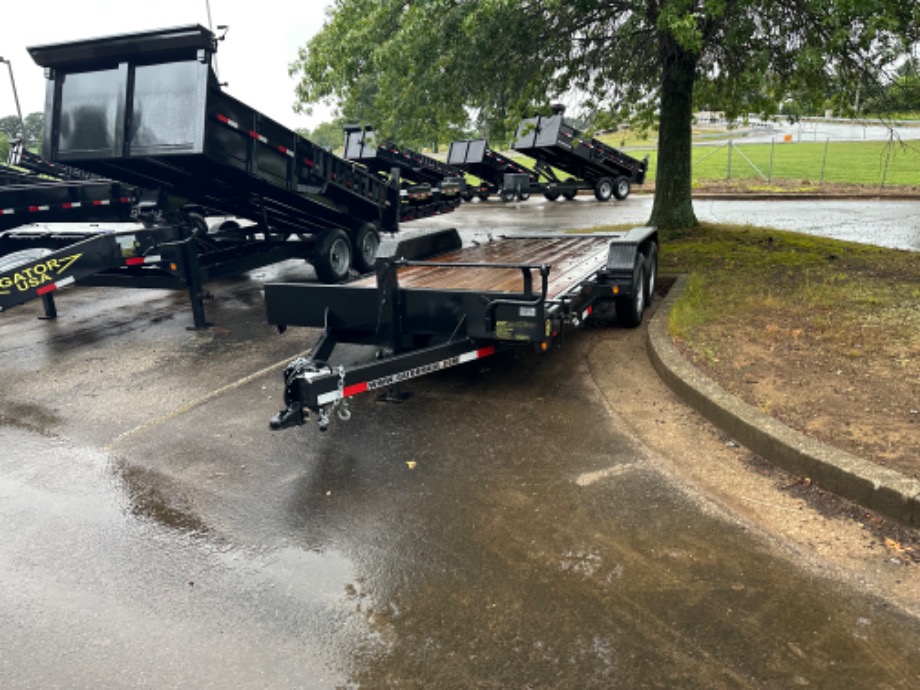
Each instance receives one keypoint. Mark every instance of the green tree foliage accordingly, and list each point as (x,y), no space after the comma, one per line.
(329,135)
(34,123)
(421,71)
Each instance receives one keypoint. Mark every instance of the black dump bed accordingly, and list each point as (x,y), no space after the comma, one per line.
(475,156)
(552,141)
(361,146)
(147,109)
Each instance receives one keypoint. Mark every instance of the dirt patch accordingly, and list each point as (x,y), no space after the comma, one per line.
(822,335)
(865,401)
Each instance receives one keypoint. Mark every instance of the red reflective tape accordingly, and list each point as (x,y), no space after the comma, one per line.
(486,351)
(36,209)
(223,118)
(125,200)
(46,289)
(589,310)
(254,134)
(134,261)
(309,162)
(355,389)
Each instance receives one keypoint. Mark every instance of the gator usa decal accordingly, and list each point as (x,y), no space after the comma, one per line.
(42,273)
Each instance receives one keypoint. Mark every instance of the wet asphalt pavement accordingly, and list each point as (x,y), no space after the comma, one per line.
(499,529)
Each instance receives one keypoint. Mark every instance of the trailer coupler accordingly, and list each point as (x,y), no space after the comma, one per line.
(296,375)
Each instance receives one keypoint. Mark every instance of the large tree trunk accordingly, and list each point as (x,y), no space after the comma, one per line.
(673,206)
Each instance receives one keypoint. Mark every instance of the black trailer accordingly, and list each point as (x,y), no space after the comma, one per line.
(415,168)
(434,303)
(554,143)
(491,167)
(146,109)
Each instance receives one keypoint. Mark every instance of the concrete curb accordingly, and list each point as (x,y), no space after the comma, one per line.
(877,488)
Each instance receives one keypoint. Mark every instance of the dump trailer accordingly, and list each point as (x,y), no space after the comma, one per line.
(146,110)
(417,173)
(491,167)
(555,144)
(434,303)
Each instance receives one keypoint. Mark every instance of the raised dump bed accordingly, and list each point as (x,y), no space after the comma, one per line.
(147,109)
(382,158)
(434,303)
(554,143)
(476,157)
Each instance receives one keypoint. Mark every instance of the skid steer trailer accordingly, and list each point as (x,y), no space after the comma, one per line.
(434,304)
(491,167)
(557,145)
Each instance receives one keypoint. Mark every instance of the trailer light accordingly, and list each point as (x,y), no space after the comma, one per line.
(615,289)
(173,267)
(544,346)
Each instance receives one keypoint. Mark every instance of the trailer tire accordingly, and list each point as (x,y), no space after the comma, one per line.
(631,307)
(523,196)
(467,196)
(651,272)
(569,194)
(551,194)
(483,196)
(507,195)
(621,187)
(603,189)
(332,256)
(367,240)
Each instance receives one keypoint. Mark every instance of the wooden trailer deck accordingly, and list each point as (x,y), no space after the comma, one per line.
(572,258)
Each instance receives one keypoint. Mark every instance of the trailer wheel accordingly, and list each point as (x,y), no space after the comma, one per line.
(569,194)
(367,240)
(523,196)
(651,272)
(631,308)
(507,195)
(603,190)
(483,196)
(332,256)
(621,187)
(551,194)
(467,196)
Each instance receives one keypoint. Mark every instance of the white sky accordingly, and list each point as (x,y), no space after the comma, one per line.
(262,41)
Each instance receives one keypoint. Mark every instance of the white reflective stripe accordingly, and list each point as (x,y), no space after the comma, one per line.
(7,212)
(469,356)
(152,259)
(104,202)
(327,398)
(39,208)
(75,204)
(233,123)
(65,282)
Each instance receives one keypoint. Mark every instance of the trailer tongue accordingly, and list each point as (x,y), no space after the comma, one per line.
(434,304)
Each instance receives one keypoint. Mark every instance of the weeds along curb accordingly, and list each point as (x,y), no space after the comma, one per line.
(879,489)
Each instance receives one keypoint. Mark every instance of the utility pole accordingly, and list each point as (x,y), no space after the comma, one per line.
(22,123)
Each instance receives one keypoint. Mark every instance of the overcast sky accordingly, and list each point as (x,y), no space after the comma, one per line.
(263,40)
